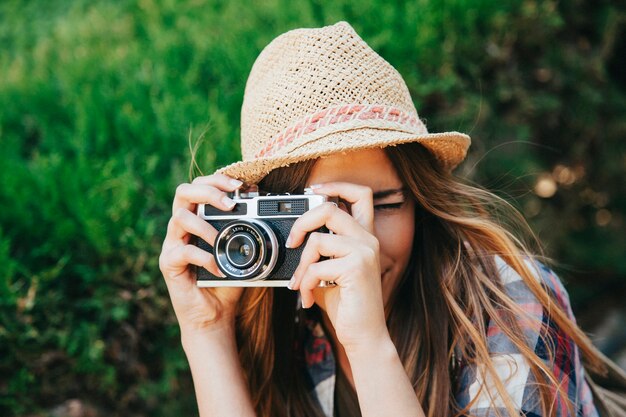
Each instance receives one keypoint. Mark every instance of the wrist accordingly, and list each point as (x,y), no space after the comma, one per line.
(219,379)
(381,382)
(365,349)
(222,333)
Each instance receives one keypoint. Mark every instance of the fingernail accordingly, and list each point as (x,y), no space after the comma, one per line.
(292,281)
(288,242)
(236,183)
(228,202)
(315,186)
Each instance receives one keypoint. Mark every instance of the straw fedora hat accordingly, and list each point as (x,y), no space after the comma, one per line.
(316,92)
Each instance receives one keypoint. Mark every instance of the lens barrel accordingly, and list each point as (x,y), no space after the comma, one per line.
(246,249)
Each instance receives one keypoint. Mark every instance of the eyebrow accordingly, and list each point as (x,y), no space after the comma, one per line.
(378,195)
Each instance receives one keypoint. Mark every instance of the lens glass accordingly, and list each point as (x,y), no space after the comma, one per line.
(241,250)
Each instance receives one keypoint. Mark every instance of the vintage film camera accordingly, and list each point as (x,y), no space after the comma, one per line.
(250,245)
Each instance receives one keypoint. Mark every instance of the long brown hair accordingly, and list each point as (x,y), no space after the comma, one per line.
(439,310)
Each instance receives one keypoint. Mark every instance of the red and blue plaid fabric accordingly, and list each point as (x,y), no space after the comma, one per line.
(512,368)
(475,386)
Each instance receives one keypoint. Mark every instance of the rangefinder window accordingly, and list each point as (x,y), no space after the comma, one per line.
(284,207)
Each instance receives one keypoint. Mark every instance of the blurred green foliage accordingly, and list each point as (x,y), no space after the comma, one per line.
(100,102)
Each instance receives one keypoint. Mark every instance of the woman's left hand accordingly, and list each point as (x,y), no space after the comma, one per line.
(355,305)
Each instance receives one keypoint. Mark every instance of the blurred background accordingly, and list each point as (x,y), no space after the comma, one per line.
(101,101)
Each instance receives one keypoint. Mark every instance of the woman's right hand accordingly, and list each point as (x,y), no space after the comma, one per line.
(197,309)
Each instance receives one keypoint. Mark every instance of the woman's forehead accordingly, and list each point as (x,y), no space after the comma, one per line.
(369,167)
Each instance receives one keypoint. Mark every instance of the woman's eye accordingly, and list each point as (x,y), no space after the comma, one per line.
(389,206)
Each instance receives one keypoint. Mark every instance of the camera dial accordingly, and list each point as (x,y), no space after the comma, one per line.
(246,249)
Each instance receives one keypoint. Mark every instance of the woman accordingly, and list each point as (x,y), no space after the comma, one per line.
(437,308)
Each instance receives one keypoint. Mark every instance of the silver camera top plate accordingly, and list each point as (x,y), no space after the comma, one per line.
(253,202)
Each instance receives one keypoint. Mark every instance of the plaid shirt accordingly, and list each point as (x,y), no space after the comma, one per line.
(510,365)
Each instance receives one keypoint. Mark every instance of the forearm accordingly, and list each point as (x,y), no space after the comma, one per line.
(218,378)
(381,383)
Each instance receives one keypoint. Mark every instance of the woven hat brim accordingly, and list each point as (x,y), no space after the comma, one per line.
(450,148)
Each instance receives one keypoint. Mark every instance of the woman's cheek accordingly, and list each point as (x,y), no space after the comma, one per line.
(395,234)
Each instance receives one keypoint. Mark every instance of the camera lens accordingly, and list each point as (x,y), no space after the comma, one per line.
(246,249)
(241,250)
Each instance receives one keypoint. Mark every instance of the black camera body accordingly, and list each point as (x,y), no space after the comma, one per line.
(250,245)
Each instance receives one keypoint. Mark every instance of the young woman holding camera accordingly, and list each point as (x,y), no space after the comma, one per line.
(438,307)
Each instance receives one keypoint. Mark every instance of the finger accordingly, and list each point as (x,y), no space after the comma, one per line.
(188,195)
(175,262)
(315,274)
(329,215)
(184,222)
(219,181)
(359,196)
(321,245)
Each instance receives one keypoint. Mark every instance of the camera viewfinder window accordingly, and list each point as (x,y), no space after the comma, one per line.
(284,207)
